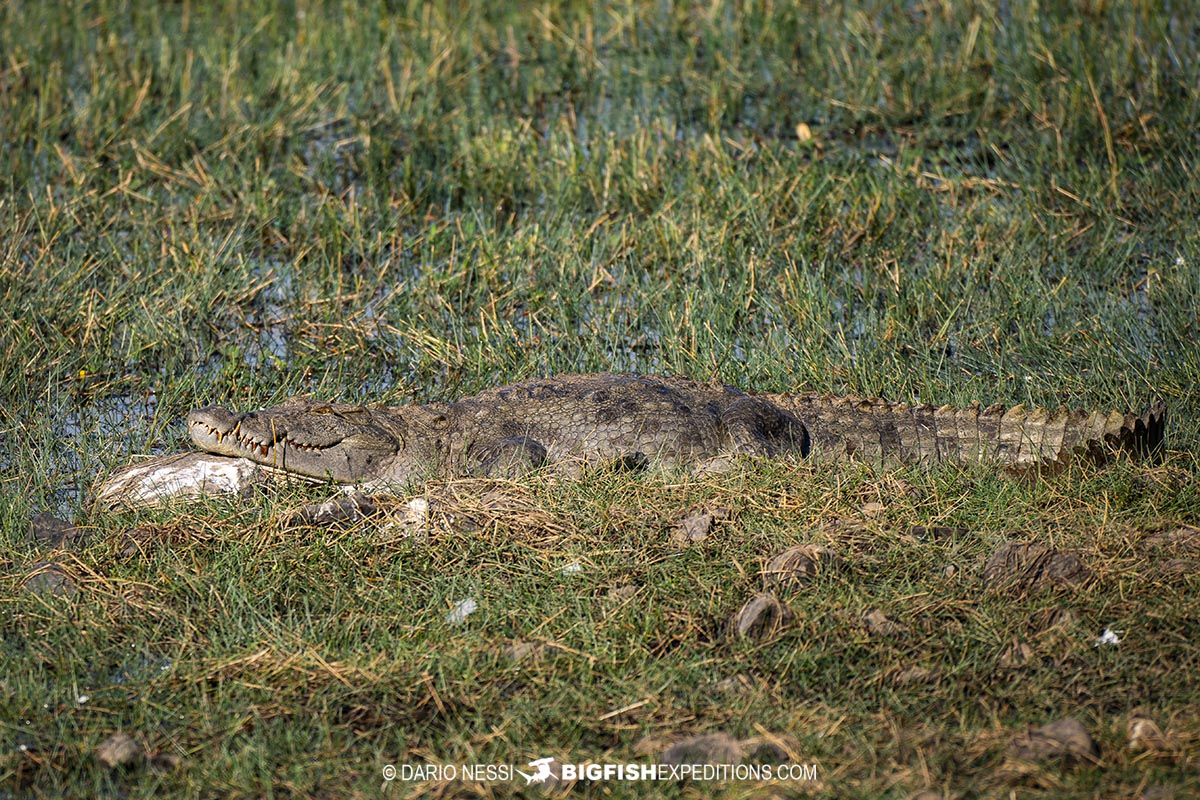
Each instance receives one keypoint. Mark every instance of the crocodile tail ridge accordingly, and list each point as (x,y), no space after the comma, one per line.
(847,427)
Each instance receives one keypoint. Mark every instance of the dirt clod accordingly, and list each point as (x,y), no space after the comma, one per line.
(1144,733)
(51,531)
(878,624)
(1066,739)
(47,577)
(799,564)
(760,618)
(119,750)
(1022,565)
(713,748)
(696,525)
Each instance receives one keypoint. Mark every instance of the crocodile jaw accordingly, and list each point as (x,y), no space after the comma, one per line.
(335,449)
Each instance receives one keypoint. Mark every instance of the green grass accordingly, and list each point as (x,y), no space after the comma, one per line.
(947,202)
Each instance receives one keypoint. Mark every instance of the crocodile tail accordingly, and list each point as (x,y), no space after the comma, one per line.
(876,430)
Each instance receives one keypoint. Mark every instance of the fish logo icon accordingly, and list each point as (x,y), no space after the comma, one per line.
(541,772)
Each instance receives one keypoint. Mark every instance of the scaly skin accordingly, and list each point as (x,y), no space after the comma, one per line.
(570,422)
(876,430)
(576,420)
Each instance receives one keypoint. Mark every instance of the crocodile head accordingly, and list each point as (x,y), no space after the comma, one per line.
(328,441)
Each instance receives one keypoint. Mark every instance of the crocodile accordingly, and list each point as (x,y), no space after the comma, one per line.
(579,420)
(572,422)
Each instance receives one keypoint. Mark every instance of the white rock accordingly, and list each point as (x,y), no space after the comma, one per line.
(156,480)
